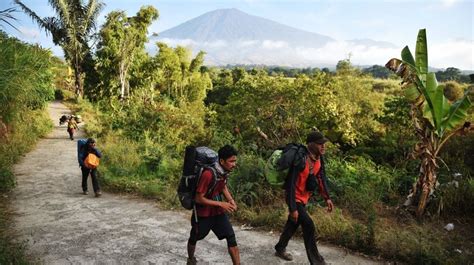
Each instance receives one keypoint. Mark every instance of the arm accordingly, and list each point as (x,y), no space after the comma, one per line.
(323,187)
(202,188)
(228,197)
(97,152)
(291,195)
(201,199)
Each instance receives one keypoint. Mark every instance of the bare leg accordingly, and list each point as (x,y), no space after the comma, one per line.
(191,258)
(235,255)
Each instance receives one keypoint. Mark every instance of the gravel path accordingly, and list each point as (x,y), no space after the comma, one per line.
(59,225)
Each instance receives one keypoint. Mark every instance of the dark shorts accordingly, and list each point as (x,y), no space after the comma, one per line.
(219,224)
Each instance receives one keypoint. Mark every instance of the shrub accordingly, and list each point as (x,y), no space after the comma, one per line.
(453,90)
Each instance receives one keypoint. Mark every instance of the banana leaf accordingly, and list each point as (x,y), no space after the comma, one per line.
(421,53)
(407,57)
(457,113)
(437,103)
(411,93)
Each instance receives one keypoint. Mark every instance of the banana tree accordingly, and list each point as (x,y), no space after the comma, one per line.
(435,119)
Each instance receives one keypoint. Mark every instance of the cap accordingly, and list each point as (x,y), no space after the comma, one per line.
(316,137)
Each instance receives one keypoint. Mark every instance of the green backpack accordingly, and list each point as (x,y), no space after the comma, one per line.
(282,160)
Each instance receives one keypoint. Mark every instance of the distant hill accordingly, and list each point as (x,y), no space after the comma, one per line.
(230,36)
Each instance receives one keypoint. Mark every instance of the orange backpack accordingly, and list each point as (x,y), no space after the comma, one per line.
(91,161)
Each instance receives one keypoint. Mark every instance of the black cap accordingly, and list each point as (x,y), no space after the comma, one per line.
(316,137)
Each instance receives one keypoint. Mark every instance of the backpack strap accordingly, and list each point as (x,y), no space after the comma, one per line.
(214,183)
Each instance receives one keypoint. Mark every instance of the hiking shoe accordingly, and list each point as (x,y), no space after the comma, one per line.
(85,192)
(191,261)
(98,194)
(284,255)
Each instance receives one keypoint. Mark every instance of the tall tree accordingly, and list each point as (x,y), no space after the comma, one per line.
(122,41)
(435,119)
(71,28)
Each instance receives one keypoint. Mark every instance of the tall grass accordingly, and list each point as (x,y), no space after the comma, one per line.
(26,85)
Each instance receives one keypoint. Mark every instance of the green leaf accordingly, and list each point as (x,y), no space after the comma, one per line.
(457,113)
(428,113)
(411,93)
(421,56)
(436,101)
(407,57)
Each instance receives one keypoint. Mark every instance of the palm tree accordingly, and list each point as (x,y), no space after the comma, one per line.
(6,16)
(71,29)
(434,117)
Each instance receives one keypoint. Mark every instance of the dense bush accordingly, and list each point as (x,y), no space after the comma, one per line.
(26,86)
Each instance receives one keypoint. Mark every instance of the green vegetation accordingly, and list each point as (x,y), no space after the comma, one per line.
(171,100)
(26,86)
(145,109)
(434,118)
(71,29)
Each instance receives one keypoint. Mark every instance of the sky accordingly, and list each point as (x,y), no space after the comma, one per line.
(449,23)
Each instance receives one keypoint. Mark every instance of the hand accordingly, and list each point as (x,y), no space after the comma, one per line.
(233,203)
(330,205)
(228,207)
(294,216)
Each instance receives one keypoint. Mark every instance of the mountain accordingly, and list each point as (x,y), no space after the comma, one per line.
(230,36)
(234,25)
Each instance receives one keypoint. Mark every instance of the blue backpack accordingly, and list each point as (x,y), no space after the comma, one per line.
(81,150)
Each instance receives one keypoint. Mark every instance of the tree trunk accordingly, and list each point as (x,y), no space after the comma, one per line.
(78,81)
(427,181)
(122,81)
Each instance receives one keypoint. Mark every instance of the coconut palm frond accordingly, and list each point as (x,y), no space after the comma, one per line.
(6,16)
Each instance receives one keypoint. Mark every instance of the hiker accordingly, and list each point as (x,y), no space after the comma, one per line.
(299,187)
(211,211)
(84,150)
(71,127)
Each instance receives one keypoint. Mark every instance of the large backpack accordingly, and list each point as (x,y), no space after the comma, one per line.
(282,160)
(195,161)
(81,150)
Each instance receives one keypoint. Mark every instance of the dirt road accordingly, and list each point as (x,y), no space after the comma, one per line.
(59,225)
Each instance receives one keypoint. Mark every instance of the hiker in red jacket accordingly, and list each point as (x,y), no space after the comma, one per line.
(211,209)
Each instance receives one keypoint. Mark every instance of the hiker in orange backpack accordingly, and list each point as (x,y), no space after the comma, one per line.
(71,127)
(86,149)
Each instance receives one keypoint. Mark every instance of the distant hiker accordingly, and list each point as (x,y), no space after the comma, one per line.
(299,187)
(87,153)
(210,213)
(71,127)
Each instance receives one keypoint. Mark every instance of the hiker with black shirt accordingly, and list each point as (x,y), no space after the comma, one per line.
(211,210)
(299,186)
(89,147)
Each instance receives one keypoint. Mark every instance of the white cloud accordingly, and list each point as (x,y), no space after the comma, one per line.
(29,33)
(192,43)
(247,43)
(451,53)
(448,3)
(269,44)
(181,42)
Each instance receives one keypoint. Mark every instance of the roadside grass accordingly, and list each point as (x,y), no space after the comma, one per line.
(21,138)
(10,253)
(364,225)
